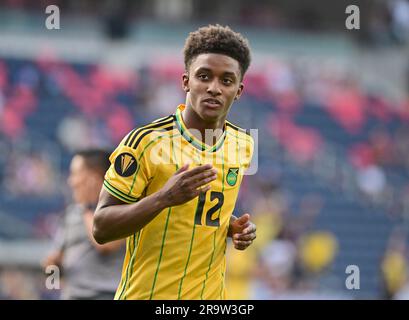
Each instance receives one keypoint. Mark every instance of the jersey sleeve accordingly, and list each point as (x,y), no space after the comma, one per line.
(128,175)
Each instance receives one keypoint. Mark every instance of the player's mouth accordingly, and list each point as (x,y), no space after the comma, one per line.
(212,103)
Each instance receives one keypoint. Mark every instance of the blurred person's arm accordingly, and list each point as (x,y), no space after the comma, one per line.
(53,259)
(101,248)
(57,251)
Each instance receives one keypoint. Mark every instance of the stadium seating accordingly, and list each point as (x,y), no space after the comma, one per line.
(360,228)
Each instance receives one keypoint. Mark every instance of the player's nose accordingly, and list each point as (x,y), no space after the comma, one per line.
(214,88)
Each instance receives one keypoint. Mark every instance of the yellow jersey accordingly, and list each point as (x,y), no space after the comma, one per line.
(180,254)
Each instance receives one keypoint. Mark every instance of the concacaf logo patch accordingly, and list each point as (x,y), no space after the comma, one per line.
(125,164)
(232,175)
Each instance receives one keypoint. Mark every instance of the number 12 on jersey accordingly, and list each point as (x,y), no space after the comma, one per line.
(214,195)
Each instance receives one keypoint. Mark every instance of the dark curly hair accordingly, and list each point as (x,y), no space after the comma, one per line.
(217,39)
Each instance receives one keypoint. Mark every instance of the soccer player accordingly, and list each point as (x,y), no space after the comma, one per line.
(90,271)
(172,185)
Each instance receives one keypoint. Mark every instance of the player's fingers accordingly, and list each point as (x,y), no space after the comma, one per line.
(201,175)
(201,179)
(183,168)
(202,182)
(245,237)
(193,182)
(250,228)
(197,170)
(243,219)
(242,244)
(193,194)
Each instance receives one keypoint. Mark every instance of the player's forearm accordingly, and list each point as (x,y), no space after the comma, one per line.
(115,222)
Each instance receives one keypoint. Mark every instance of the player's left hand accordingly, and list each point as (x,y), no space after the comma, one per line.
(243,232)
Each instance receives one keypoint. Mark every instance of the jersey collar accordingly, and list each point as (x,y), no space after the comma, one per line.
(191,138)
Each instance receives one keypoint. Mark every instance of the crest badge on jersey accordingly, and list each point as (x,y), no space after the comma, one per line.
(125,164)
(232,175)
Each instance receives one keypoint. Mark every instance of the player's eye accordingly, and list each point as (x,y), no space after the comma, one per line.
(203,76)
(227,81)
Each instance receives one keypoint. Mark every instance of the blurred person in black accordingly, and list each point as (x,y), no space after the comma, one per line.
(89,270)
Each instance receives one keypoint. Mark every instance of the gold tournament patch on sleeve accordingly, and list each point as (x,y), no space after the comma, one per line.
(125,164)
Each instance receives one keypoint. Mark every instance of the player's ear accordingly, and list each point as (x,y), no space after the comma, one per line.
(185,82)
(239,91)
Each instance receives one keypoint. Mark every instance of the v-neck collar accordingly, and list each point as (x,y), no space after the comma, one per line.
(184,131)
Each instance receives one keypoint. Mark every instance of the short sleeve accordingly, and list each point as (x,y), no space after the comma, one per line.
(128,175)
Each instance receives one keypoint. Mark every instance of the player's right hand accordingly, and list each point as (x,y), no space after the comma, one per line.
(186,184)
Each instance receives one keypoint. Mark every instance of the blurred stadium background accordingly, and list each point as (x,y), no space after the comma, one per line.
(331,106)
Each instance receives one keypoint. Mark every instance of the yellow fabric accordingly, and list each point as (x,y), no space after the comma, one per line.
(240,266)
(394,269)
(180,254)
(318,250)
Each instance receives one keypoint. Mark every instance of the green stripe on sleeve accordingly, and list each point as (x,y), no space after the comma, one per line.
(119,194)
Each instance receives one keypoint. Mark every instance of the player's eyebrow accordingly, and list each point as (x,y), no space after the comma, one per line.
(230,74)
(226,73)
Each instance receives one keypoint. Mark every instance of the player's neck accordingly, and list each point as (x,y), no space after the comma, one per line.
(193,121)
